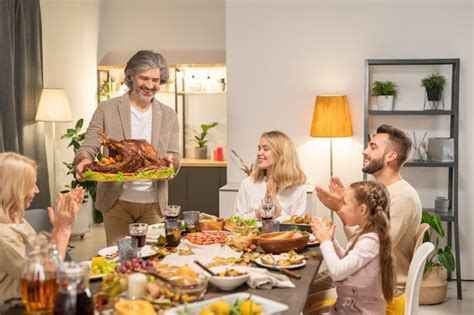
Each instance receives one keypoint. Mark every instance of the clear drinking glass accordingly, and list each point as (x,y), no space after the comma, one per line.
(138,231)
(191,219)
(173,233)
(74,296)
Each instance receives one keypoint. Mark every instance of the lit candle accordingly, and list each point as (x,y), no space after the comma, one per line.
(136,285)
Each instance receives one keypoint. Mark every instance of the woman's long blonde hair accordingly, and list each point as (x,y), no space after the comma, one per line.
(287,170)
(377,200)
(17,179)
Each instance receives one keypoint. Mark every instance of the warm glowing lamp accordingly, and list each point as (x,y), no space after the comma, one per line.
(331,119)
(53,107)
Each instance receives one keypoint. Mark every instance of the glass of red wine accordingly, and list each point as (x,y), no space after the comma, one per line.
(172,212)
(138,231)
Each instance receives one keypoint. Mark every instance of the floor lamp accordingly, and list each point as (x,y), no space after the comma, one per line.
(331,119)
(53,107)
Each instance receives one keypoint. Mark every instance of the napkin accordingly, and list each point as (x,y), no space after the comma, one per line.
(202,253)
(263,279)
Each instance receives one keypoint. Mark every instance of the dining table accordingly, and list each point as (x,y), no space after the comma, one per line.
(295,297)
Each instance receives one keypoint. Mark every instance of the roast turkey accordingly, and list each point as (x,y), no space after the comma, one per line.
(127,156)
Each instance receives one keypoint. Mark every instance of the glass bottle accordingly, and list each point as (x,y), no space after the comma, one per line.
(38,286)
(74,296)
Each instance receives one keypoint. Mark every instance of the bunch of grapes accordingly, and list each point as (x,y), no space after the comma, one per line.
(135,265)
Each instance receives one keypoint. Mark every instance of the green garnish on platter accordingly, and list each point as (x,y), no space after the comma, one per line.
(160,174)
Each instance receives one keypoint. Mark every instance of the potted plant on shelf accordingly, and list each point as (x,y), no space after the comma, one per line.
(76,138)
(200,152)
(384,92)
(434,84)
(434,285)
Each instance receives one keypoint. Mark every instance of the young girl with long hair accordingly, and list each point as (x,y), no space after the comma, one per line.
(364,273)
(276,175)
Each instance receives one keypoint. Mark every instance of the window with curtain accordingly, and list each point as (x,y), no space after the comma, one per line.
(21,83)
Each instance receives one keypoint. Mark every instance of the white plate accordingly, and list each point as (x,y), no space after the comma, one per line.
(312,241)
(269,306)
(146,251)
(276,257)
(154,232)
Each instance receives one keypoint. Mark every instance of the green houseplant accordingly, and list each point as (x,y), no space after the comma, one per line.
(76,138)
(200,152)
(433,85)
(384,93)
(434,285)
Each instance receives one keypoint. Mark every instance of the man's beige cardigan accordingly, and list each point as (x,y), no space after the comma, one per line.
(114,118)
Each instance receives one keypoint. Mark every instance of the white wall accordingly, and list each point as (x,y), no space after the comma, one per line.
(70,36)
(193,30)
(289,51)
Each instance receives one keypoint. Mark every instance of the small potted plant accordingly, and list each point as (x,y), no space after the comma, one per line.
(434,285)
(384,92)
(433,85)
(200,152)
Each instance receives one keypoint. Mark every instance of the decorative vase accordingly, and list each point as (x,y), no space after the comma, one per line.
(434,286)
(200,153)
(416,155)
(384,102)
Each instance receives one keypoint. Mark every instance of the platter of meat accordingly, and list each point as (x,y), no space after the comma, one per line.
(128,160)
(206,237)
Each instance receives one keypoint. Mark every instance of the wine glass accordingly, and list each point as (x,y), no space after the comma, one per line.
(267,208)
(172,212)
(138,232)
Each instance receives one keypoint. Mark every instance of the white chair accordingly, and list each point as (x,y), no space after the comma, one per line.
(415,274)
(420,234)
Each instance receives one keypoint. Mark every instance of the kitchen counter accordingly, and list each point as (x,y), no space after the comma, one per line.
(202,163)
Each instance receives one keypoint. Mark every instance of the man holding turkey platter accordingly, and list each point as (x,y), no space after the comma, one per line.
(135,115)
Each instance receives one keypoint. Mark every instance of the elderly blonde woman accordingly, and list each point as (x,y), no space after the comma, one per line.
(276,175)
(17,190)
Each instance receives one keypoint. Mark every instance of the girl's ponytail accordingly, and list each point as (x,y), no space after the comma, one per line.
(376,197)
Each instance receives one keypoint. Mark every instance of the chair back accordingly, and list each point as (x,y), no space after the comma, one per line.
(415,274)
(419,235)
(38,219)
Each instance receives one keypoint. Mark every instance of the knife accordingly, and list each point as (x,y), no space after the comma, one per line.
(289,273)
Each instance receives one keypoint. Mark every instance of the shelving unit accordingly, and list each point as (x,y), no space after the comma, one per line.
(451,217)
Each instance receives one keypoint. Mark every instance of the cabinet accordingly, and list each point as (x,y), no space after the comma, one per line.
(409,110)
(197,187)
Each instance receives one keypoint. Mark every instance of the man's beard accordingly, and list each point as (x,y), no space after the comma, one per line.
(374,166)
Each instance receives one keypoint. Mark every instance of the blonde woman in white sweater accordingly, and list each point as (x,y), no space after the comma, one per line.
(276,175)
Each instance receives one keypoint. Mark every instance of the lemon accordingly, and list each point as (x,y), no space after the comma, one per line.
(206,311)
(249,307)
(220,308)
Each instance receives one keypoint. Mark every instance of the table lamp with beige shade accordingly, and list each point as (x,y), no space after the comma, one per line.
(53,107)
(331,119)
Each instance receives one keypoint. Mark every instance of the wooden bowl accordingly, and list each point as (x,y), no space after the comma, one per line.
(206,224)
(279,242)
